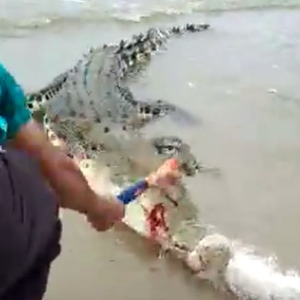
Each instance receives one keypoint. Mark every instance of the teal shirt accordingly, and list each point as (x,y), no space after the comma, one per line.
(13,110)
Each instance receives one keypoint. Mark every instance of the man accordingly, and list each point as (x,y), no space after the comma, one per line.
(35,178)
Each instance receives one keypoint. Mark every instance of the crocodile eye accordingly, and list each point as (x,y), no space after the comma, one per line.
(156,111)
(168,150)
(147,109)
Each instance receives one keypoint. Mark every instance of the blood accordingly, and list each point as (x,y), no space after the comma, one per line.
(156,221)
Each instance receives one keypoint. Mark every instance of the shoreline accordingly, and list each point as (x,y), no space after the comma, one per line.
(9,29)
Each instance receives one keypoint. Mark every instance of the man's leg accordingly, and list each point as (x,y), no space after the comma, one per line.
(33,284)
(29,228)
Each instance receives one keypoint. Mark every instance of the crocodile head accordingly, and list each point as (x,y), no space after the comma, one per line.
(170,146)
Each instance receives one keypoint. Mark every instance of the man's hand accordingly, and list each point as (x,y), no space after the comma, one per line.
(104,213)
(66,179)
(166,175)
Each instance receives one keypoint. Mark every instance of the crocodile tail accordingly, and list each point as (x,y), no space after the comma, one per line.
(159,35)
(155,37)
(189,28)
(130,54)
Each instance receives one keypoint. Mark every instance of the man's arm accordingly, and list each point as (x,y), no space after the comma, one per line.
(61,172)
(66,179)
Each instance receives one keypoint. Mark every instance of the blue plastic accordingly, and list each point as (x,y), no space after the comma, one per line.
(133,191)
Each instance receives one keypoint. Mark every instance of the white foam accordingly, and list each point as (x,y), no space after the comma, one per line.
(252,277)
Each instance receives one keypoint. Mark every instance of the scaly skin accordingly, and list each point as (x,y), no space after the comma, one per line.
(97,87)
(92,112)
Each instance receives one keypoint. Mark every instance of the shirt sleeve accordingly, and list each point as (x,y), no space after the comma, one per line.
(13,107)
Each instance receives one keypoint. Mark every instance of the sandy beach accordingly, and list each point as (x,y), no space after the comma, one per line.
(241,80)
(117,266)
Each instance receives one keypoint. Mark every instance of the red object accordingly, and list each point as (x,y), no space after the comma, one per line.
(156,220)
(173,162)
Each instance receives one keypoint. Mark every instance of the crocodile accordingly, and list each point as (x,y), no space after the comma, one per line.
(96,89)
(91,112)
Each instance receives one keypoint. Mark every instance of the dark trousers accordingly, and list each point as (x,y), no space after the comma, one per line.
(30,229)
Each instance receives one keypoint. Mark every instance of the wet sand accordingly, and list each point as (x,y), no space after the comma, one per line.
(116,266)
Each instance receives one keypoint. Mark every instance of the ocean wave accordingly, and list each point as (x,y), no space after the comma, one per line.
(82,11)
